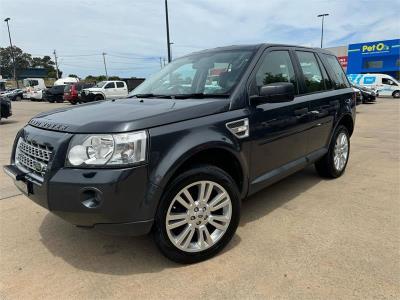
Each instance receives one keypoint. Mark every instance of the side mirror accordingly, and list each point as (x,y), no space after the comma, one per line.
(274,93)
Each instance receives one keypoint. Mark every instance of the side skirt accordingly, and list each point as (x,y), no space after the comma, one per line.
(273,176)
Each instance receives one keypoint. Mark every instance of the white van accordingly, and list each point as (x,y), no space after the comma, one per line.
(384,84)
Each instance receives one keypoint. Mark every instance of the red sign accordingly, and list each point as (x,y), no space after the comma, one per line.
(343,61)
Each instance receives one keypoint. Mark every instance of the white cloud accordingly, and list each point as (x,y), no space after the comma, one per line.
(132,29)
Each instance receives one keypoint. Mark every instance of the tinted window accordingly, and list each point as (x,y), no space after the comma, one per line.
(110,85)
(340,80)
(120,84)
(328,83)
(276,67)
(311,71)
(67,88)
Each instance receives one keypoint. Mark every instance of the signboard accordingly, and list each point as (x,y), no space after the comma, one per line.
(343,61)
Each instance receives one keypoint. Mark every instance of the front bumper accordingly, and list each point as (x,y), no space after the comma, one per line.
(109,200)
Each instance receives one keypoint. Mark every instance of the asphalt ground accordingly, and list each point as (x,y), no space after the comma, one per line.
(302,238)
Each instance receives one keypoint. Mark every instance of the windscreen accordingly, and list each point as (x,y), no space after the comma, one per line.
(208,73)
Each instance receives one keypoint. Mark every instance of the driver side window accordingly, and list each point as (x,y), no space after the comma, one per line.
(110,85)
(276,67)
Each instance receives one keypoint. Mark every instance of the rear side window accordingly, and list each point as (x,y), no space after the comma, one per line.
(340,80)
(276,67)
(311,72)
(120,84)
(67,88)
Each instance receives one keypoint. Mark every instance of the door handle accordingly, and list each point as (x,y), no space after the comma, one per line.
(301,111)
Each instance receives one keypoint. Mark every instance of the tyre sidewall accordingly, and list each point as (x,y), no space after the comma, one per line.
(197,174)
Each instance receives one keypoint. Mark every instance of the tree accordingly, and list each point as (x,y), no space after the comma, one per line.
(73,75)
(24,61)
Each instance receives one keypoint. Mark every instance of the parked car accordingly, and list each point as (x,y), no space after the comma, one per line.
(72,91)
(54,94)
(105,90)
(14,95)
(358,95)
(5,108)
(33,95)
(384,84)
(177,157)
(368,95)
(66,80)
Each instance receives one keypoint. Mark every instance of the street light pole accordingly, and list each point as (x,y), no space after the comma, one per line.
(322,27)
(104,61)
(12,52)
(167,25)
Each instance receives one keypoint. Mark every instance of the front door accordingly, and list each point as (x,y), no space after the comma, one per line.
(110,90)
(278,129)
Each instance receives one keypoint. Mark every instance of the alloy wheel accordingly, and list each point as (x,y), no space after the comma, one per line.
(341,152)
(198,216)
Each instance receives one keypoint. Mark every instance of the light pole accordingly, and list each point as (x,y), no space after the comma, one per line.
(167,25)
(322,29)
(104,61)
(12,52)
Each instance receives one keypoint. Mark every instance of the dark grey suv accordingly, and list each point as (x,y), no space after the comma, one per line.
(180,153)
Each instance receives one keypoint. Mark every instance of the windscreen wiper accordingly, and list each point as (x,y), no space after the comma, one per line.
(149,95)
(200,96)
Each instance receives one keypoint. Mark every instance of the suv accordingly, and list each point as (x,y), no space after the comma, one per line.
(180,154)
(105,90)
(72,91)
(54,94)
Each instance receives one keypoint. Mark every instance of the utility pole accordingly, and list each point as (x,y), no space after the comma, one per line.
(12,53)
(164,61)
(55,59)
(161,65)
(167,25)
(322,27)
(105,66)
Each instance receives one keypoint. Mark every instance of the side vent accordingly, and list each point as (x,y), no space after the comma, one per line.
(239,128)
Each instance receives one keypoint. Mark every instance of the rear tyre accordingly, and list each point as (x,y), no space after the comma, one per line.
(396,94)
(198,215)
(333,164)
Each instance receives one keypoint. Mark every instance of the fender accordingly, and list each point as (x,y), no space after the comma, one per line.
(178,147)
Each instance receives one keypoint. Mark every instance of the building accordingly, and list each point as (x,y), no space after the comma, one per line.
(375,57)
(370,57)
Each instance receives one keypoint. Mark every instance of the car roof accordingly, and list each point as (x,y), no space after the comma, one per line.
(255,47)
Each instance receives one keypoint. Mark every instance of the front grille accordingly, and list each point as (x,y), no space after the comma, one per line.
(32,157)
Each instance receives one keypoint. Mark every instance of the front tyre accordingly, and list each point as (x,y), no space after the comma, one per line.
(333,163)
(198,215)
(396,94)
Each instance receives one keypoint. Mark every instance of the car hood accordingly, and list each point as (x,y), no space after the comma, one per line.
(126,114)
(92,89)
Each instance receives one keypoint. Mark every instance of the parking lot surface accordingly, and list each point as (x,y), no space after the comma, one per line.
(302,238)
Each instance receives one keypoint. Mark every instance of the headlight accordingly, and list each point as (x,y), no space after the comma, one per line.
(102,150)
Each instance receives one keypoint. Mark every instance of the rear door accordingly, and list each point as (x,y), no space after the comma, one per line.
(122,89)
(279,130)
(323,102)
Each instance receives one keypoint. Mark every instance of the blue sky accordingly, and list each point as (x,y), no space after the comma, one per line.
(132,32)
